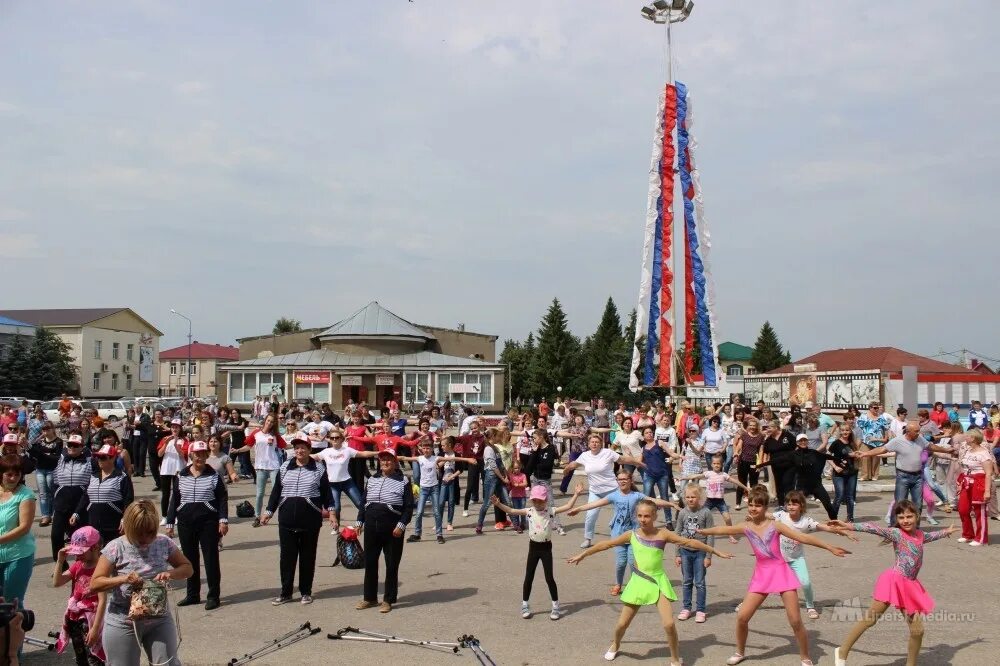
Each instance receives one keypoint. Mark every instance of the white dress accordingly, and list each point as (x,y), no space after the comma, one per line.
(173,462)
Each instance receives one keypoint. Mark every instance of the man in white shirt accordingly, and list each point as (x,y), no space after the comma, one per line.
(898,425)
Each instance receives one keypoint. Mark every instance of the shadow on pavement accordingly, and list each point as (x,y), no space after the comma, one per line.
(434,596)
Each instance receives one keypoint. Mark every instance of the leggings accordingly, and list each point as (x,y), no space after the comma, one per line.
(539,550)
(450,492)
(817,490)
(157,638)
(798,565)
(547,484)
(77,632)
(472,487)
(747,476)
(166,486)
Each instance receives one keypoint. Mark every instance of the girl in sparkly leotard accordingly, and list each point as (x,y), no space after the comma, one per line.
(897,586)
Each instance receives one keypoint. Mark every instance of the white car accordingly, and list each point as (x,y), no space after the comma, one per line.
(51,408)
(112,410)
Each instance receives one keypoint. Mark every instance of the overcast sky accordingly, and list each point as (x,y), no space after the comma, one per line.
(466,162)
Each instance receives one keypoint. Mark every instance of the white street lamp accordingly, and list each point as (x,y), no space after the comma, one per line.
(189,350)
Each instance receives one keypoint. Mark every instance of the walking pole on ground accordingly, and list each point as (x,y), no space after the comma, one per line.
(375,637)
(38,642)
(283,641)
(472,643)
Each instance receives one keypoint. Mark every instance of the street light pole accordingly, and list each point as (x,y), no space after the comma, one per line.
(188,394)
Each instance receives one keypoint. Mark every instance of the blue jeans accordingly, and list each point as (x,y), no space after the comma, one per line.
(623,555)
(263,475)
(909,484)
(46,486)
(590,522)
(845,489)
(729,459)
(660,483)
(339,487)
(450,495)
(519,522)
(693,571)
(567,477)
(491,486)
(434,493)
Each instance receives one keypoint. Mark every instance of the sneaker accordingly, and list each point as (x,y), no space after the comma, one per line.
(306,600)
(931,520)
(699,617)
(413,538)
(962,540)
(525,611)
(939,503)
(562,532)
(500,527)
(738,507)
(738,606)
(364,605)
(674,497)
(975,543)
(465,514)
(812,613)
(556,613)
(277,601)
(385,607)
(449,527)
(440,539)
(585,543)
(163,521)
(507,523)
(683,615)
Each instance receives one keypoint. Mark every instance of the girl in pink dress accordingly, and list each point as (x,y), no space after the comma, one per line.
(771,574)
(897,586)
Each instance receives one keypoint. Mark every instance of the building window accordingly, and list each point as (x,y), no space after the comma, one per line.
(734,370)
(114,350)
(97,381)
(97,349)
(173,368)
(416,386)
(460,387)
(128,352)
(128,382)
(245,386)
(114,381)
(318,392)
(184,367)
(751,371)
(194,367)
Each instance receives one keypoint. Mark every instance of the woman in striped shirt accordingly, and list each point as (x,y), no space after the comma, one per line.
(199,505)
(385,512)
(107,495)
(301,495)
(72,476)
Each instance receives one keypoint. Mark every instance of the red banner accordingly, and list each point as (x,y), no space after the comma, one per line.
(666,369)
(312,378)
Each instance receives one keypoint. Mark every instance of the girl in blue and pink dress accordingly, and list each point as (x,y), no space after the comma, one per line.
(897,586)
(771,574)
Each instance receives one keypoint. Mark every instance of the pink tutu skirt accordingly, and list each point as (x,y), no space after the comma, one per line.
(907,595)
(773,576)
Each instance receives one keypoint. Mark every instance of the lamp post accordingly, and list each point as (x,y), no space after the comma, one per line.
(667,12)
(188,394)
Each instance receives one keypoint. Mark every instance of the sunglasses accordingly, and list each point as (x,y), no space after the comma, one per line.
(74,446)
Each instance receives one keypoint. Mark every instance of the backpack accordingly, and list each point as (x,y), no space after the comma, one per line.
(245,509)
(349,550)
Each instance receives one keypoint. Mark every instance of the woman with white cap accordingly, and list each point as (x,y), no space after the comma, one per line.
(199,507)
(109,491)
(173,452)
(265,443)
(72,476)
(301,495)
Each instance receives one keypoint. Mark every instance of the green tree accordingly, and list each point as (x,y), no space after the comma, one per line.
(16,377)
(558,352)
(52,369)
(515,358)
(768,353)
(600,353)
(286,325)
(529,386)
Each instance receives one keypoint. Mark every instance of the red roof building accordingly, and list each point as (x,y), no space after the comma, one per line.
(201,351)
(202,378)
(885,359)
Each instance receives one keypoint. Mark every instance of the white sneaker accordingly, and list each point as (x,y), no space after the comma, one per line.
(465,514)
(556,613)
(962,539)
(163,521)
(975,543)
(562,532)
(525,611)
(585,543)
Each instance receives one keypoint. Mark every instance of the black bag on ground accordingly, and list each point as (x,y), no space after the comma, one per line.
(349,550)
(244,509)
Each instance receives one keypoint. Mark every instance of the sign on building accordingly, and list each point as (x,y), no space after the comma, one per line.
(313,378)
(350,380)
(385,380)
(832,390)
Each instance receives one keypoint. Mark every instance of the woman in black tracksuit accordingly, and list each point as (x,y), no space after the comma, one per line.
(199,506)
(72,475)
(302,497)
(108,493)
(385,512)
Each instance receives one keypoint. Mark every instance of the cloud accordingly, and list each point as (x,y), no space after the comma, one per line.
(19,246)
(191,88)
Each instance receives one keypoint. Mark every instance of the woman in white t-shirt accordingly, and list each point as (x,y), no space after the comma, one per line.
(264,443)
(598,463)
(173,450)
(336,458)
(629,443)
(714,439)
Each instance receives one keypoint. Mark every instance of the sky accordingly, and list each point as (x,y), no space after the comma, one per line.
(467,162)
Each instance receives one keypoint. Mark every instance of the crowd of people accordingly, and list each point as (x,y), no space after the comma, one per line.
(304,461)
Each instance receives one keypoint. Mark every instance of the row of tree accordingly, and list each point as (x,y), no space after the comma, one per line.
(40,367)
(554,361)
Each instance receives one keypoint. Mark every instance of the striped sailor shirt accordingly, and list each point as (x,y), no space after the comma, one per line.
(195,497)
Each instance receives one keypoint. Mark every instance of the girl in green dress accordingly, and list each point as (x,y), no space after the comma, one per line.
(648,584)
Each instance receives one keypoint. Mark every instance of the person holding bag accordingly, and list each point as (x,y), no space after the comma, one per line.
(134,570)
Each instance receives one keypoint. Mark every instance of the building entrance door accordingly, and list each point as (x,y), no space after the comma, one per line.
(355,393)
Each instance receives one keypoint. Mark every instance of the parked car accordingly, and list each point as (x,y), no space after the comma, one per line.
(51,408)
(112,410)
